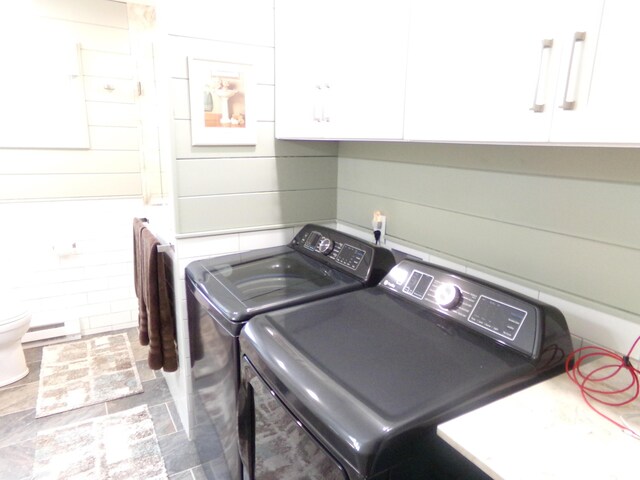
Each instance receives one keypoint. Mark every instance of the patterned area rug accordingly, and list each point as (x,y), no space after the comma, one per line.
(73,375)
(118,446)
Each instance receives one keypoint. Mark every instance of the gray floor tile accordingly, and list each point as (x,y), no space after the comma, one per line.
(203,472)
(145,372)
(181,454)
(186,475)
(178,452)
(213,470)
(17,428)
(32,377)
(33,354)
(34,373)
(175,416)
(17,460)
(207,444)
(19,398)
(162,421)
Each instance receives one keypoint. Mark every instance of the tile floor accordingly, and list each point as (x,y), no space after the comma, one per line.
(184,460)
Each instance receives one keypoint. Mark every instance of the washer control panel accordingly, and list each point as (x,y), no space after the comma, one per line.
(507,317)
(344,252)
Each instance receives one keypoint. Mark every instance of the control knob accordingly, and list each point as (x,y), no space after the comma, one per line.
(447,295)
(325,246)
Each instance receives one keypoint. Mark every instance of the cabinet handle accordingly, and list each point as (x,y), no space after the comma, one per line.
(317,103)
(326,103)
(540,95)
(571,87)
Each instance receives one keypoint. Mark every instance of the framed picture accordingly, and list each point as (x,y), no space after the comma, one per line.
(221,101)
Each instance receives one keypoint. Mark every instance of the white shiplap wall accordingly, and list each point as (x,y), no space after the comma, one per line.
(71,261)
(110,166)
(53,199)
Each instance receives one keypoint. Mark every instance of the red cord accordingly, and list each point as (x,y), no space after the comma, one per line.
(586,382)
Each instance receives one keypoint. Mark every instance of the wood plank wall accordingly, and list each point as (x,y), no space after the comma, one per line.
(562,219)
(111,166)
(241,188)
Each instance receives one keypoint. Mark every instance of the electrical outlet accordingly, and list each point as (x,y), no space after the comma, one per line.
(379,224)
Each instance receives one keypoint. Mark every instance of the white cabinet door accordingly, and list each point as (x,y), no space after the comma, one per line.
(340,69)
(369,70)
(608,97)
(474,69)
(302,54)
(521,72)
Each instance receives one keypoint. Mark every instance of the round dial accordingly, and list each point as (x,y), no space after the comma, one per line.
(325,245)
(447,295)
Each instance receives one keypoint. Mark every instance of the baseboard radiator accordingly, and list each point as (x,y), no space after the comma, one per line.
(52,332)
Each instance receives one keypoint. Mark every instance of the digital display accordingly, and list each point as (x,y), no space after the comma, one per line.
(418,284)
(312,240)
(498,317)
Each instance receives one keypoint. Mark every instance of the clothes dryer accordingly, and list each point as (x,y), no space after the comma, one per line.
(224,292)
(354,387)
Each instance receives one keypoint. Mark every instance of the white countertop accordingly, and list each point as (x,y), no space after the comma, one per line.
(547,432)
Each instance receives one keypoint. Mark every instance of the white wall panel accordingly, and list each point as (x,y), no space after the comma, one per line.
(240,21)
(108,69)
(35,187)
(97,37)
(107,64)
(98,12)
(112,114)
(114,138)
(91,280)
(19,161)
(262,58)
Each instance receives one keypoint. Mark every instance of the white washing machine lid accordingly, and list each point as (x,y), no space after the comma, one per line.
(11,311)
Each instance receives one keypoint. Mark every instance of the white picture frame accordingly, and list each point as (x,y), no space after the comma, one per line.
(222,108)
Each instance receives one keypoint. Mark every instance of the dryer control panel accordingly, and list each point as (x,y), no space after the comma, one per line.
(352,255)
(507,317)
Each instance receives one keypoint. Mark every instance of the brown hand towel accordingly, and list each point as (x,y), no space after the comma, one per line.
(160,318)
(166,297)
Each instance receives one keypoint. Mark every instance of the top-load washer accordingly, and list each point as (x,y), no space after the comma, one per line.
(353,387)
(224,292)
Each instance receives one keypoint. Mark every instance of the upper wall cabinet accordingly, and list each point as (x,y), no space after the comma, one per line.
(606,110)
(340,69)
(495,71)
(523,72)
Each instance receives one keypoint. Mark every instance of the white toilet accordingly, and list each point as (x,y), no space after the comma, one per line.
(14,323)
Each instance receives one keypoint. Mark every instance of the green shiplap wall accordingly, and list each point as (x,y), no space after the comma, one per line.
(228,188)
(565,219)
(220,194)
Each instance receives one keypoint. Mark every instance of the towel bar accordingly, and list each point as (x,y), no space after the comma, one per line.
(166,248)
